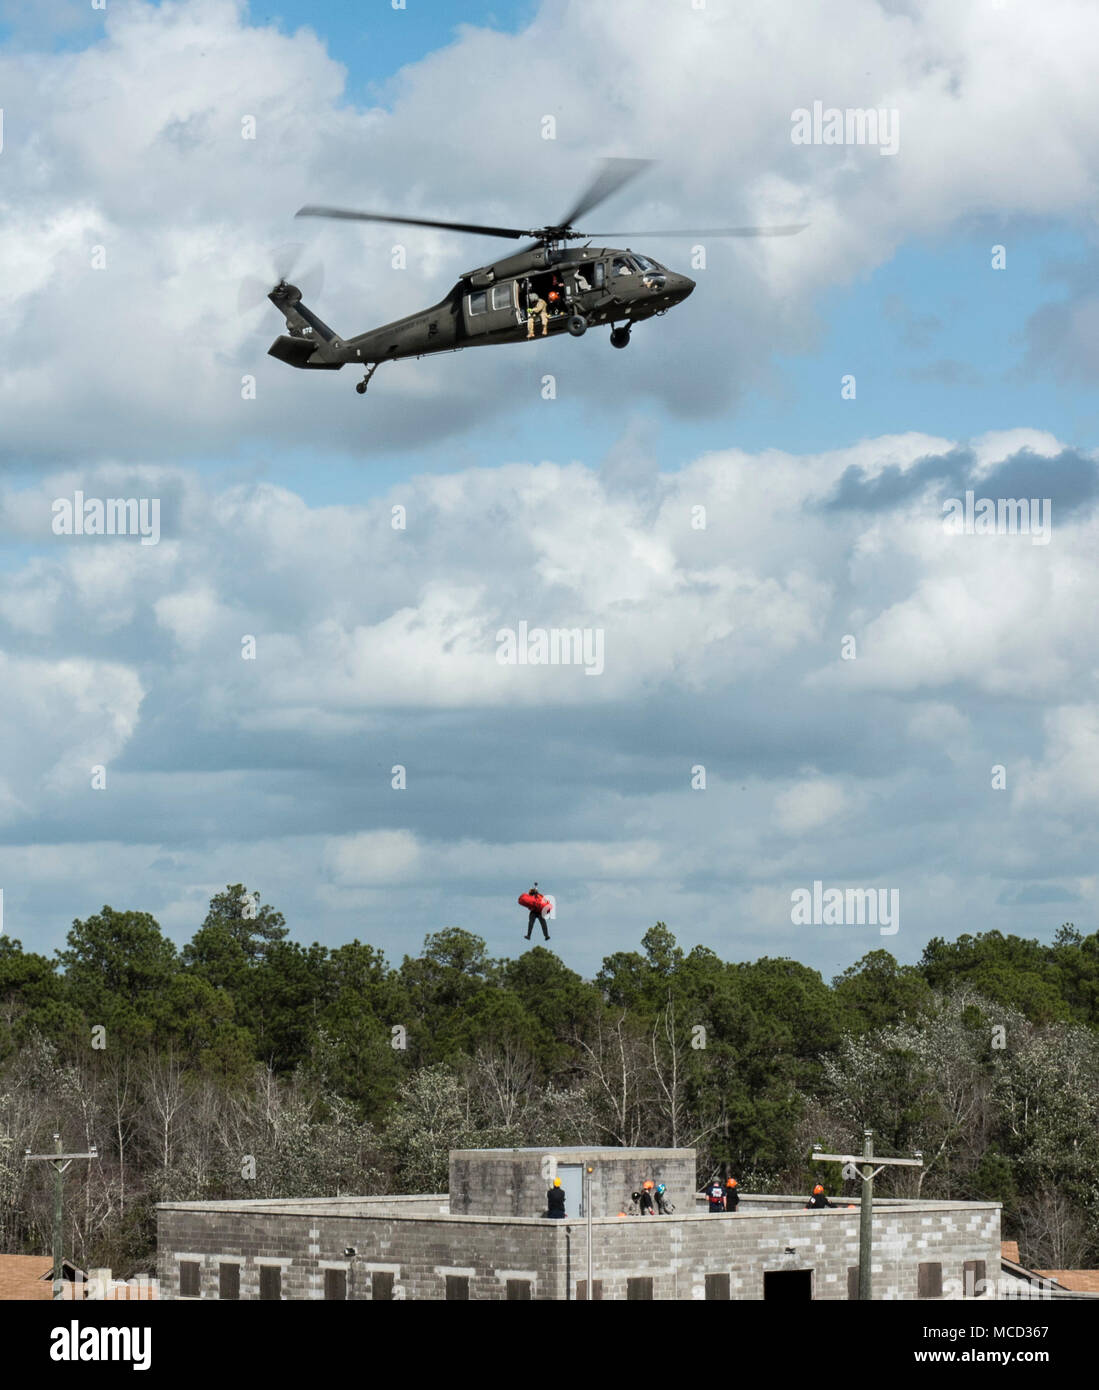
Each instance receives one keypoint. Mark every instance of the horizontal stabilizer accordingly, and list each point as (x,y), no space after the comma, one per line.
(296,352)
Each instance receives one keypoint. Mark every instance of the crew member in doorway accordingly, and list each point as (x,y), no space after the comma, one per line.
(716,1197)
(558,299)
(732,1195)
(555,1201)
(536,307)
(818,1199)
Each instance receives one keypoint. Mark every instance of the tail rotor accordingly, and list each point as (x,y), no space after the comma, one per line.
(282,262)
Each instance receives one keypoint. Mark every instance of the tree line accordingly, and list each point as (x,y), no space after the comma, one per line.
(248,1065)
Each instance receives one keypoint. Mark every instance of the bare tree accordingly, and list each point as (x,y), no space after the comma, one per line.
(164,1091)
(1053,1233)
(500,1081)
(615,1062)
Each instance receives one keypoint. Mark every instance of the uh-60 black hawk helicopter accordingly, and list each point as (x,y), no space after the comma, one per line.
(546,288)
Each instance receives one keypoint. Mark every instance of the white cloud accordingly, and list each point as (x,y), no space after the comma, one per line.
(61,718)
(809,805)
(375,857)
(1066,778)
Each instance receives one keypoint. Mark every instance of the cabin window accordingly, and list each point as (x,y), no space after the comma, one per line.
(478,302)
(589,276)
(502,295)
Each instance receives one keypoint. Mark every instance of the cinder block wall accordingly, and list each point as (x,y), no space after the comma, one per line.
(676,1253)
(418,1251)
(511,1182)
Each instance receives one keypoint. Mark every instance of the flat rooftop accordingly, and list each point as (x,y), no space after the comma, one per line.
(436,1207)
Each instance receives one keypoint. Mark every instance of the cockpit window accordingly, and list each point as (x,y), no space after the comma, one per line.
(645,264)
(623,265)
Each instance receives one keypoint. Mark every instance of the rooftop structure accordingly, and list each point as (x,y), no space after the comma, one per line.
(488,1239)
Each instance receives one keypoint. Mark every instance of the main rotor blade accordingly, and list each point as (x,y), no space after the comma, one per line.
(612,175)
(346,215)
(712,231)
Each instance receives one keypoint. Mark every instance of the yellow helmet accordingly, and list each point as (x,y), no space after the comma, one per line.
(557,1182)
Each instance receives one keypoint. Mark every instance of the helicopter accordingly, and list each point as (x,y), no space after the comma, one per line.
(546,284)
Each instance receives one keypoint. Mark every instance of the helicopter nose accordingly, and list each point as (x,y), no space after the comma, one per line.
(680,288)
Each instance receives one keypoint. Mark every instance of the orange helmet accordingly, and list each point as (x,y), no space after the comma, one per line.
(647,1184)
(554,295)
(731,1182)
(818,1189)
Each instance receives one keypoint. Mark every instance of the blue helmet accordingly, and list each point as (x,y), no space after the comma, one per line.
(660,1187)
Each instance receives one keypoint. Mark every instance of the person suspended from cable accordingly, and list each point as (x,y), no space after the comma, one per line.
(536,904)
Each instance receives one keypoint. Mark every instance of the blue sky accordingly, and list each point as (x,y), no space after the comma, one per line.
(377,646)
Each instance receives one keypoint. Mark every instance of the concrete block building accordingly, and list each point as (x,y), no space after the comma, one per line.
(488,1239)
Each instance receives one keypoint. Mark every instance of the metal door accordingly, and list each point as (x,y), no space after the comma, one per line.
(572,1184)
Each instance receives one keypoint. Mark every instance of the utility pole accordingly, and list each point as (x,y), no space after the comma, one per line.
(60,1162)
(867,1171)
(587,1212)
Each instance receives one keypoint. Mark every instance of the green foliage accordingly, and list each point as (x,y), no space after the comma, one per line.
(876,992)
(118,967)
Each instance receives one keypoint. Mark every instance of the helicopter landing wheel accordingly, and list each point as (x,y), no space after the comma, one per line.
(620,337)
(577,325)
(361,386)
